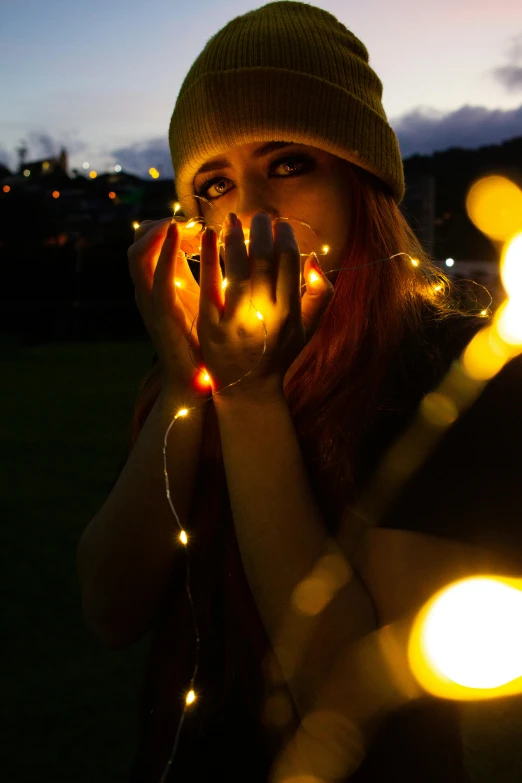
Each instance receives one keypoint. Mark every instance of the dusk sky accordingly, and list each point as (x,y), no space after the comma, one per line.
(102,77)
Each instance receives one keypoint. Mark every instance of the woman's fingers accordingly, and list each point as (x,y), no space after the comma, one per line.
(143,255)
(263,270)
(288,264)
(211,295)
(237,270)
(316,298)
(163,286)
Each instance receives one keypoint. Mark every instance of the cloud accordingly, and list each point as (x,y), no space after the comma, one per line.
(423,130)
(139,157)
(510,75)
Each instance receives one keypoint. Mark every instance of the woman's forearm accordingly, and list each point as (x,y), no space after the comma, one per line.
(127,552)
(281,536)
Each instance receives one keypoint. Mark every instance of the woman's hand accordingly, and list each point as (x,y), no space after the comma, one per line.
(267,279)
(168,310)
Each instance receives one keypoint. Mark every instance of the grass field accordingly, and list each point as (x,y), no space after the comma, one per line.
(69,706)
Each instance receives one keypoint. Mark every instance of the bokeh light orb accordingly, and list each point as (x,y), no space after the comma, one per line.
(494,204)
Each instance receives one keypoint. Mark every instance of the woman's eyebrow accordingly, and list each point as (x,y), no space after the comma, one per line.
(266,149)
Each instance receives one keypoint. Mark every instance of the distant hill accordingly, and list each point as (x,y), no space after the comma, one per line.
(454,171)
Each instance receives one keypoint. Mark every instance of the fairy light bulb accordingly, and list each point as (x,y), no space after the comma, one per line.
(415,261)
(190,698)
(183,537)
(182,412)
(176,207)
(177,282)
(259,315)
(224,283)
(326,248)
(313,277)
(437,287)
(135,225)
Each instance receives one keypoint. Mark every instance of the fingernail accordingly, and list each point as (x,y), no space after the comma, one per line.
(232,219)
(208,237)
(172,229)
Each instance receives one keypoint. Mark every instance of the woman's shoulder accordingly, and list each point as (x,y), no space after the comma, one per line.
(439,340)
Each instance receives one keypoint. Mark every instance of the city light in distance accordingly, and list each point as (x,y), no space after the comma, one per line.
(112,194)
(6,188)
(27,173)
(93,174)
(449,262)
(56,194)
(154,173)
(117,168)
(85,165)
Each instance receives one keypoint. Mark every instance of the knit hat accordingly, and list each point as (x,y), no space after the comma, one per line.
(286,71)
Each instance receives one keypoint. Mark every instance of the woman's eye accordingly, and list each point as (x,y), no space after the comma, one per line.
(297,164)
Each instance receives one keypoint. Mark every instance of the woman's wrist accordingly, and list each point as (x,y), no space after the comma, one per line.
(177,395)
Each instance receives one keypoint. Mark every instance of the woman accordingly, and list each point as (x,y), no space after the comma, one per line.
(261,473)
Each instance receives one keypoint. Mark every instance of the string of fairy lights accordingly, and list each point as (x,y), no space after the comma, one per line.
(437,287)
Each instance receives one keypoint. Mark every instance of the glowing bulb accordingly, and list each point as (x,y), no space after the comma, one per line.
(325,248)
(224,283)
(135,225)
(449,262)
(190,224)
(483,312)
(467,640)
(415,262)
(93,174)
(312,277)
(438,287)
(176,282)
(182,412)
(56,194)
(259,315)
(176,207)
(183,537)
(191,697)
(206,377)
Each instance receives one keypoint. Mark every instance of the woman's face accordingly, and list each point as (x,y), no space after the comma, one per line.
(284,180)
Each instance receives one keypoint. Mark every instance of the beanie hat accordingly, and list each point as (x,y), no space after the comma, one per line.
(287,71)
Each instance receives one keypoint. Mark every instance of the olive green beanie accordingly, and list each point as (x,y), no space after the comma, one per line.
(287,71)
